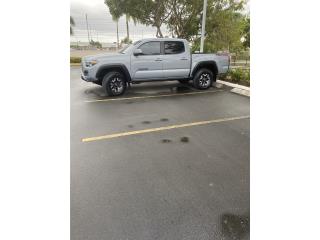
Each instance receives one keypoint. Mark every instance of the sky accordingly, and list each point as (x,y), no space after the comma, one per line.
(101,26)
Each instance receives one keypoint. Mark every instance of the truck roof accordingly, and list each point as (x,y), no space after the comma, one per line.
(163,39)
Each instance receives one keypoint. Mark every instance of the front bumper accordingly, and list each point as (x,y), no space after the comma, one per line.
(85,78)
(88,74)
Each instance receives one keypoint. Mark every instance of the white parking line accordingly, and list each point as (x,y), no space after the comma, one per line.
(123,134)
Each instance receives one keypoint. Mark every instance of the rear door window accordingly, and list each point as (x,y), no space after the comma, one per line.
(173,47)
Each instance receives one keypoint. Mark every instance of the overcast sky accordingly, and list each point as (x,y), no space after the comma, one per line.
(101,26)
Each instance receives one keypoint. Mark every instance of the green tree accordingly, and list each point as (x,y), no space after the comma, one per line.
(96,44)
(152,13)
(246,32)
(185,18)
(224,23)
(126,41)
(224,26)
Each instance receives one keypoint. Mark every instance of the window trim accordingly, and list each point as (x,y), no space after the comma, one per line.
(151,54)
(164,50)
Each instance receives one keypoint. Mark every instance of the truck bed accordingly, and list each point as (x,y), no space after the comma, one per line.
(221,60)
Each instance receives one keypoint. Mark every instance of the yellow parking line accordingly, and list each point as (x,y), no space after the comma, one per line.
(152,96)
(123,134)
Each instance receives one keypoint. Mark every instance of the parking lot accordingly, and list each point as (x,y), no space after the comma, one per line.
(163,161)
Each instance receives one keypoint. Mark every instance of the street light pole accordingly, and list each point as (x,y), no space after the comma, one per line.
(88,29)
(203,29)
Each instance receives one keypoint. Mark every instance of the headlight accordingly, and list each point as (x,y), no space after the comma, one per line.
(91,63)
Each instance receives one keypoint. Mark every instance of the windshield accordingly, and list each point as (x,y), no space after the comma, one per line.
(128,48)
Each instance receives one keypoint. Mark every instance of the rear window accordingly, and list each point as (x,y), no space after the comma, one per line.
(173,47)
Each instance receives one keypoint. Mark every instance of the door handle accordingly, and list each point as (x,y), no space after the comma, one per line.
(184,59)
(158,60)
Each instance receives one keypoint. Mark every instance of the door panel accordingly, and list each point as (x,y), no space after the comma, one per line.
(150,64)
(176,61)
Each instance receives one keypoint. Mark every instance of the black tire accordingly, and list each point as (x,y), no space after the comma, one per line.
(183,81)
(203,79)
(114,83)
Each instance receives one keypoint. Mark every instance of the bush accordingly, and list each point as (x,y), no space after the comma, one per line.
(238,75)
(75,60)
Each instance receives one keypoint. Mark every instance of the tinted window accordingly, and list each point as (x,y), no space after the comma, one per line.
(150,48)
(173,47)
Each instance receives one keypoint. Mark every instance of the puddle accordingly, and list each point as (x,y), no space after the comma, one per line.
(235,226)
(146,122)
(164,119)
(181,89)
(166,140)
(184,139)
(96,92)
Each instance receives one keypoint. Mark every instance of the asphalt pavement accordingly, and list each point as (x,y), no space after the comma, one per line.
(163,161)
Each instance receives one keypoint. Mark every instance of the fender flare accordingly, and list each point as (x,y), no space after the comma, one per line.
(205,64)
(114,66)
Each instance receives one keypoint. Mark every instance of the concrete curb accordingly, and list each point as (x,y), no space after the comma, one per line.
(239,89)
(75,64)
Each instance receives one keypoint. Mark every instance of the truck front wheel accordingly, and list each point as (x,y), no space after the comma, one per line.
(114,83)
(203,79)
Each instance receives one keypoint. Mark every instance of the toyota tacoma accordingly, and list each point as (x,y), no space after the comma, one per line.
(158,59)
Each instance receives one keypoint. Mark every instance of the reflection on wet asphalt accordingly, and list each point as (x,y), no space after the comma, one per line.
(96,92)
(164,119)
(166,140)
(184,139)
(235,227)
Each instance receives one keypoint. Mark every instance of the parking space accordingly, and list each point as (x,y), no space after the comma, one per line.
(163,161)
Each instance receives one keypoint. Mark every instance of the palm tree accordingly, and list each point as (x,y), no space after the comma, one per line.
(118,8)
(116,13)
(72,24)
(116,19)
(127,23)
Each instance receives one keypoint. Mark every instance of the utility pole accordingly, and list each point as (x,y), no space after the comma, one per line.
(203,29)
(117,34)
(88,29)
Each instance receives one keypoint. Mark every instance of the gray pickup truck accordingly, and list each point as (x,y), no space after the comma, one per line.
(158,59)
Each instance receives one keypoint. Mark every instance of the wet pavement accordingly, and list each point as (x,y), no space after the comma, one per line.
(180,183)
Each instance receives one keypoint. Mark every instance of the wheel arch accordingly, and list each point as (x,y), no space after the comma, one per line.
(211,65)
(104,69)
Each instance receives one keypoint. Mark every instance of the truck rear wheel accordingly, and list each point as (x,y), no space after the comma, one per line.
(203,79)
(114,83)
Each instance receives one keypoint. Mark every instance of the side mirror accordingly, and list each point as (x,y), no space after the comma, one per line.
(137,52)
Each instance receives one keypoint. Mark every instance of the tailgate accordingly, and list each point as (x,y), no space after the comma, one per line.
(224,62)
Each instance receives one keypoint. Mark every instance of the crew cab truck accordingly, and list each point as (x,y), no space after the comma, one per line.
(158,59)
